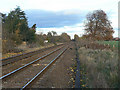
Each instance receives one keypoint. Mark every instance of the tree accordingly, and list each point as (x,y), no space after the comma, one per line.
(49,34)
(34,27)
(40,40)
(15,30)
(54,33)
(16,25)
(76,37)
(65,37)
(31,36)
(98,26)
(51,37)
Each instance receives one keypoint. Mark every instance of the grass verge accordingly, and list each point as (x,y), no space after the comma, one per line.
(99,68)
(111,43)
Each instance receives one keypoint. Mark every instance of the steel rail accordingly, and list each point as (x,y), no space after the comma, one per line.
(29,82)
(22,56)
(28,64)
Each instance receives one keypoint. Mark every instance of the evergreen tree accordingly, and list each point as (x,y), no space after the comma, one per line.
(17,26)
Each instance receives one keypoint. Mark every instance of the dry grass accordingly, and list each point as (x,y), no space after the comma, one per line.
(101,67)
(25,49)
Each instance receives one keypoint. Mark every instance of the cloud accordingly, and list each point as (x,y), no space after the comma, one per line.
(62,15)
(58,5)
(46,19)
(71,30)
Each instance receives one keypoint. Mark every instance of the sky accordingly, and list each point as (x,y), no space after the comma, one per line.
(62,15)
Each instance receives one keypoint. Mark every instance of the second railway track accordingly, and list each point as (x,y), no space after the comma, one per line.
(22,62)
(26,76)
(24,55)
(6,71)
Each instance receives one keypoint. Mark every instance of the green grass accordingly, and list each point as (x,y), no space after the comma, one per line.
(111,43)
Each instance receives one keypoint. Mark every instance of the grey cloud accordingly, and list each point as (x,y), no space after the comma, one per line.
(46,19)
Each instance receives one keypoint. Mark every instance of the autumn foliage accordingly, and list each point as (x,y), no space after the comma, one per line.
(97,26)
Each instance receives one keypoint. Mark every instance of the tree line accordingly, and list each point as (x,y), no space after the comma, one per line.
(15,30)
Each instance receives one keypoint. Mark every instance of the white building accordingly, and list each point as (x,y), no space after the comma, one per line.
(46,41)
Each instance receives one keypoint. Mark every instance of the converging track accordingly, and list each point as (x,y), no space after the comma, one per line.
(24,55)
(23,76)
(15,65)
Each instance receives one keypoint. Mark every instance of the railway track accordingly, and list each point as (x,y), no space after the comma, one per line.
(14,71)
(24,55)
(25,76)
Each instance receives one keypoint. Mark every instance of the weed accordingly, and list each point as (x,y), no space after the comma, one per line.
(100,67)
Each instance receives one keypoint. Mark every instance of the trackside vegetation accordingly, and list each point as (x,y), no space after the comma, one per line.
(98,53)
(15,32)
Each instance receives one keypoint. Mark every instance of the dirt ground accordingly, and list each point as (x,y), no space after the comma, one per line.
(19,79)
(22,62)
(59,75)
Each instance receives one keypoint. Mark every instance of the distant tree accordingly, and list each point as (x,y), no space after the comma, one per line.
(49,34)
(65,37)
(98,26)
(49,37)
(31,37)
(40,39)
(54,33)
(34,27)
(76,37)
(45,36)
